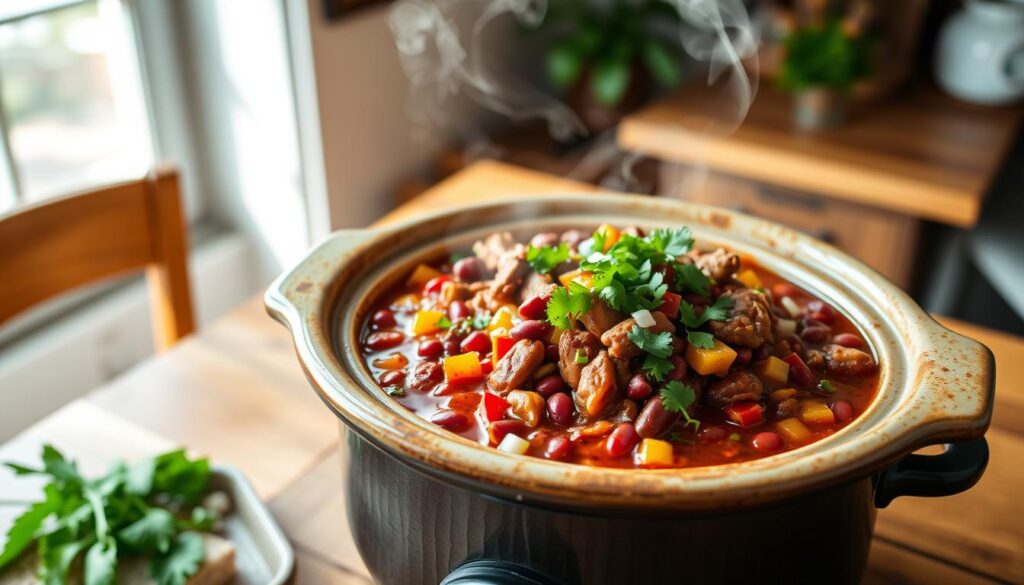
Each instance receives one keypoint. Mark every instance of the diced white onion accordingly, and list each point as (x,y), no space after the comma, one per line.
(513,444)
(785,326)
(790,306)
(644,318)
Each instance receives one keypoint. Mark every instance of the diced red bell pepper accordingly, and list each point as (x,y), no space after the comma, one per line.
(494,407)
(670,304)
(745,414)
(434,285)
(500,344)
(799,373)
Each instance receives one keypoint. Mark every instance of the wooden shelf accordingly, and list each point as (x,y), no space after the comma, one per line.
(921,154)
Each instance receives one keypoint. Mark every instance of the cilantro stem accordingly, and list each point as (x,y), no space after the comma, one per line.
(96,501)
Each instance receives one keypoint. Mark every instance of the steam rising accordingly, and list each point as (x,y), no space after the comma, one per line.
(441,47)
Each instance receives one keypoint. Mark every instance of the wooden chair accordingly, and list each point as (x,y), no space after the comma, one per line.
(63,243)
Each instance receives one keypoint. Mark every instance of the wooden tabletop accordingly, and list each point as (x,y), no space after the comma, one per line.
(235,392)
(920,154)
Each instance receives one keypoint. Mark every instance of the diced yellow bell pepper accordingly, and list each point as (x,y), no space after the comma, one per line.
(715,360)
(462,368)
(584,278)
(556,335)
(772,369)
(813,412)
(749,278)
(426,321)
(502,319)
(611,236)
(782,394)
(421,275)
(793,430)
(654,453)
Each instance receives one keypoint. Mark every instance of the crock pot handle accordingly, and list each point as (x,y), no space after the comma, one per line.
(490,572)
(952,472)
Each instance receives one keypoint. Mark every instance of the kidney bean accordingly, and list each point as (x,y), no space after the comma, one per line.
(499,428)
(639,388)
(551,353)
(426,375)
(843,410)
(560,409)
(450,420)
(531,329)
(434,285)
(821,311)
(469,269)
(384,340)
(452,347)
(763,352)
(430,348)
(654,419)
(712,434)
(477,341)
(678,371)
(743,356)
(535,307)
(544,239)
(622,440)
(559,448)
(383,319)
(848,340)
(549,385)
(815,333)
(767,442)
(458,311)
(392,377)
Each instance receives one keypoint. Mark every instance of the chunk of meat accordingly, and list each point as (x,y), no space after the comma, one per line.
(597,388)
(617,339)
(570,343)
(787,408)
(846,361)
(749,322)
(815,360)
(516,366)
(718,264)
(623,373)
(601,317)
(536,285)
(512,269)
(493,247)
(425,376)
(736,387)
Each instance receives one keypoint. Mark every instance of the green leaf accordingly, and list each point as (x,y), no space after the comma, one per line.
(180,562)
(443,323)
(609,80)
(101,563)
(60,468)
(152,532)
(717,311)
(481,320)
(568,303)
(57,560)
(662,63)
(182,479)
(691,278)
(564,64)
(139,477)
(24,529)
(673,242)
(700,339)
(545,258)
(657,367)
(678,397)
(656,344)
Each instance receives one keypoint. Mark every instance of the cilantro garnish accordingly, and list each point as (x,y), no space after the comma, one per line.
(657,367)
(826,386)
(678,397)
(656,344)
(567,304)
(700,339)
(481,320)
(545,258)
(673,242)
(692,278)
(717,311)
(114,516)
(443,323)
(581,357)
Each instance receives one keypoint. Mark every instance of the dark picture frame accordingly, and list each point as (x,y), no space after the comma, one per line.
(337,9)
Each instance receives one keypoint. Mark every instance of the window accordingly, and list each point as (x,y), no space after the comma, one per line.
(72,108)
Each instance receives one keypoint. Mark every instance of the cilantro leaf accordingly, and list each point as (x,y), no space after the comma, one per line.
(673,241)
(656,344)
(443,323)
(678,397)
(57,561)
(657,367)
(545,258)
(717,311)
(101,563)
(180,562)
(481,320)
(184,480)
(691,278)
(24,529)
(567,304)
(700,339)
(152,532)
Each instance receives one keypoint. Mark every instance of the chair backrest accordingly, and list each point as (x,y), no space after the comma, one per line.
(55,246)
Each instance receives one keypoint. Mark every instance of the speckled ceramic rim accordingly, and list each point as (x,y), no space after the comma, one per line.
(936,385)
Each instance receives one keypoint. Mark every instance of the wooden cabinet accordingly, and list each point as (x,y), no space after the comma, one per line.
(885,241)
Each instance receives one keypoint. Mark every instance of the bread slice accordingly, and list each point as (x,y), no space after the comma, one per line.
(217,569)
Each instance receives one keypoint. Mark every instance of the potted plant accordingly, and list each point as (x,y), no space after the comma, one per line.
(821,63)
(606,55)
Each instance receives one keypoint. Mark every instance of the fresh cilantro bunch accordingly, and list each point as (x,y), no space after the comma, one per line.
(717,311)
(625,277)
(544,258)
(567,304)
(678,397)
(149,508)
(658,347)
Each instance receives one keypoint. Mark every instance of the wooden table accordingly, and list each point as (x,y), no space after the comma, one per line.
(235,393)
